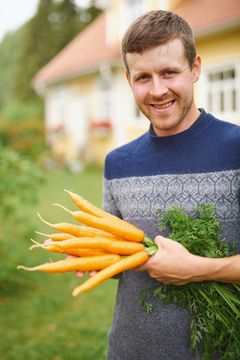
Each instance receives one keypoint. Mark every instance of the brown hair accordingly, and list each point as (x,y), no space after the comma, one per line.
(155,28)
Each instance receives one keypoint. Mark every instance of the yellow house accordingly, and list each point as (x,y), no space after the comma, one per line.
(89,107)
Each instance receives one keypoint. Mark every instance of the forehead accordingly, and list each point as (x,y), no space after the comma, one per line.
(171,53)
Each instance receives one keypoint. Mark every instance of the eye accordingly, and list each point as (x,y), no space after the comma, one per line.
(142,77)
(169,73)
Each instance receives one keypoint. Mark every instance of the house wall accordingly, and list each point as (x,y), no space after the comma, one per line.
(76,120)
(219,47)
(218,53)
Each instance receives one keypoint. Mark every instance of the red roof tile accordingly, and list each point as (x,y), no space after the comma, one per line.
(204,14)
(85,51)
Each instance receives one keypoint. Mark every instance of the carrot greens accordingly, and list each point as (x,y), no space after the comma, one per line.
(214,307)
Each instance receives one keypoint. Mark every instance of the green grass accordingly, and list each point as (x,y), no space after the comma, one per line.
(40,319)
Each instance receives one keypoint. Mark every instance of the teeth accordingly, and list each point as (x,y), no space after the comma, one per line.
(163,106)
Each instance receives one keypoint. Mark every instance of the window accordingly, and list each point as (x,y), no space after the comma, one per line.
(130,10)
(221,91)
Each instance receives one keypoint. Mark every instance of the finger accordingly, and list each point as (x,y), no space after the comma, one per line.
(158,240)
(79,274)
(140,268)
(92,273)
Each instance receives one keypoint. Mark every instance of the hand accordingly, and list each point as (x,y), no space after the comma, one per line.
(172,264)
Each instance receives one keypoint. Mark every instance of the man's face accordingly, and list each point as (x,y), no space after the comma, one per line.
(162,85)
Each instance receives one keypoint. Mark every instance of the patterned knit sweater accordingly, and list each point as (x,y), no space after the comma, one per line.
(199,165)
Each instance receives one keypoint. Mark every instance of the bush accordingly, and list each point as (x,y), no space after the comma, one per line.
(22,129)
(20,180)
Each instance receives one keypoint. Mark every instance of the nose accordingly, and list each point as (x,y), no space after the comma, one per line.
(158,87)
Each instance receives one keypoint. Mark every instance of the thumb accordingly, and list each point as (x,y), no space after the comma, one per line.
(159,240)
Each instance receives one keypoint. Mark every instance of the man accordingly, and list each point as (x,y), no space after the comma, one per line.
(187,157)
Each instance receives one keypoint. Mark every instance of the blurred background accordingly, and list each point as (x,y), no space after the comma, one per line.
(64,103)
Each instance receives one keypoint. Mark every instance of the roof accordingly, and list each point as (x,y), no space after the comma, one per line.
(90,48)
(87,50)
(207,15)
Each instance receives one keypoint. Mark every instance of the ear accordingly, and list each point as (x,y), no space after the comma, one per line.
(196,68)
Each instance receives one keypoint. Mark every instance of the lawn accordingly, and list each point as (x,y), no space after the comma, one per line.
(40,319)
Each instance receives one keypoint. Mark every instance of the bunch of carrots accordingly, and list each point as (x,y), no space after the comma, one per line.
(102,243)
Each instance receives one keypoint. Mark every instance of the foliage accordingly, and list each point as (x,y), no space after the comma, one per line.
(214,307)
(22,129)
(9,63)
(19,184)
(55,24)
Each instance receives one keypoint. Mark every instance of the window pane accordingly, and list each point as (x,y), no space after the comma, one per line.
(229,74)
(221,91)
(215,76)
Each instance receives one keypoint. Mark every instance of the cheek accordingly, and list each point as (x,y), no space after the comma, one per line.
(139,93)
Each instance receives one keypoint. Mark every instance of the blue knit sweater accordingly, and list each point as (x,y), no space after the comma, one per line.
(199,165)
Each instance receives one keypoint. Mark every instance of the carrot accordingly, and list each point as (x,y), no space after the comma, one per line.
(115,247)
(51,246)
(86,206)
(80,252)
(125,263)
(91,209)
(55,237)
(77,230)
(75,264)
(121,228)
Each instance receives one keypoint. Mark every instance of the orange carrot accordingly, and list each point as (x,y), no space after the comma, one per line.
(51,246)
(121,228)
(75,264)
(125,263)
(55,237)
(79,252)
(91,209)
(120,247)
(77,230)
(86,206)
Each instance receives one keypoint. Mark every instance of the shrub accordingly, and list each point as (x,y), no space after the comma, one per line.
(22,129)
(20,180)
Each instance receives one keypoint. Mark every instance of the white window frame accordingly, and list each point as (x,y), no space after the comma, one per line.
(130,10)
(220,90)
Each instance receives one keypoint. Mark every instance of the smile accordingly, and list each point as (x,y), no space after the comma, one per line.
(163,106)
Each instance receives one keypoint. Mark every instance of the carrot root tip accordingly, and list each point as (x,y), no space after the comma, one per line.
(62,207)
(22,267)
(44,221)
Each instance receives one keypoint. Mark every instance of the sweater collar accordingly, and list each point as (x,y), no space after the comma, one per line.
(193,130)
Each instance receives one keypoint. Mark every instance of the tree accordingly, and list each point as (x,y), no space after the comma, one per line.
(9,63)
(55,24)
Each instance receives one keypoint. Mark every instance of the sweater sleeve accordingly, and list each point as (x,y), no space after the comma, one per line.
(109,203)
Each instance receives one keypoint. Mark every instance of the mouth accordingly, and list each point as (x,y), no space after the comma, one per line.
(162,106)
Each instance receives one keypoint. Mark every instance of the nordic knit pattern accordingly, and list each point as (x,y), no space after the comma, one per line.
(199,165)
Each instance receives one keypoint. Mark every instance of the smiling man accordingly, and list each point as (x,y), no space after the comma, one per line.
(187,157)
